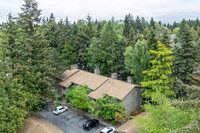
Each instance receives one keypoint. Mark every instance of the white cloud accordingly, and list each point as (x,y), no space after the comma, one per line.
(166,10)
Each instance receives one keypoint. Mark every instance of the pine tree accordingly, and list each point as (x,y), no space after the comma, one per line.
(128,24)
(182,28)
(166,38)
(30,16)
(185,55)
(14,101)
(192,102)
(68,54)
(151,39)
(159,77)
(152,23)
(138,24)
(131,39)
(11,32)
(82,43)
(36,71)
(105,51)
(137,59)
(49,31)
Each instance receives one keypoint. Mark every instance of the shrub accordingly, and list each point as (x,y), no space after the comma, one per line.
(59,98)
(69,94)
(114,122)
(108,107)
(57,104)
(78,97)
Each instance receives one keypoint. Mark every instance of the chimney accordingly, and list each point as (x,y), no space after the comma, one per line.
(75,66)
(130,79)
(97,71)
(114,75)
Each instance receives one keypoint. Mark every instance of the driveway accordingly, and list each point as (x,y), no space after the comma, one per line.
(69,122)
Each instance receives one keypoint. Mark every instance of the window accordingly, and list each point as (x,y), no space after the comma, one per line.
(76,85)
(89,98)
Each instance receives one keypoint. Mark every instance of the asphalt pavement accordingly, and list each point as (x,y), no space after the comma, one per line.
(70,122)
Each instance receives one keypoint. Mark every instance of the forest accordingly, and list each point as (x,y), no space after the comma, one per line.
(163,58)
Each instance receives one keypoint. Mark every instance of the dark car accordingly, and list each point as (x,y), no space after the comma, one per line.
(90,124)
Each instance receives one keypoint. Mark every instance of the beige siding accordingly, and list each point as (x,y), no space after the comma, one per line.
(132,101)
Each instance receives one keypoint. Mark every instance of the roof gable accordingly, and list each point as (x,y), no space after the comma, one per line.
(98,83)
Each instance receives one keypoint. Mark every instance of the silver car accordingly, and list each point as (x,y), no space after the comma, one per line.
(60,109)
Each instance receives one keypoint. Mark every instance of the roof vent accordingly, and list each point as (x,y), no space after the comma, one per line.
(130,79)
(114,75)
(75,66)
(97,71)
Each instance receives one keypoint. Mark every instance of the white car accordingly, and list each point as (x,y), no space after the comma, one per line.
(108,130)
(60,109)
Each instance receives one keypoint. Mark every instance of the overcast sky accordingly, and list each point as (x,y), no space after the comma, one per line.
(164,10)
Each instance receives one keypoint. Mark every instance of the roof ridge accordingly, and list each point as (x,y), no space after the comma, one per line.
(71,74)
(109,78)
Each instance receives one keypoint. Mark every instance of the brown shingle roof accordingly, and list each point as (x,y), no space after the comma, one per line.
(114,88)
(38,124)
(98,83)
(66,74)
(85,78)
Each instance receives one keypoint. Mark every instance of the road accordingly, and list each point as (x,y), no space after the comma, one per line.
(69,122)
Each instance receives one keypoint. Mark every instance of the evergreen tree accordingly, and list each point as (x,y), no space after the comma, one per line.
(182,28)
(131,39)
(185,55)
(82,42)
(105,52)
(30,16)
(14,102)
(68,54)
(192,102)
(152,23)
(174,25)
(128,24)
(138,25)
(137,59)
(166,38)
(36,71)
(143,24)
(159,77)
(196,24)
(151,39)
(50,31)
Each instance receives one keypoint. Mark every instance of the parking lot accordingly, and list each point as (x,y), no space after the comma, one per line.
(69,122)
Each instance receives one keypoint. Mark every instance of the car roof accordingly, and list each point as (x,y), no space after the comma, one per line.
(59,107)
(107,129)
(91,120)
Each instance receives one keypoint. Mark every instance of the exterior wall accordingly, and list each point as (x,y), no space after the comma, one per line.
(57,87)
(132,101)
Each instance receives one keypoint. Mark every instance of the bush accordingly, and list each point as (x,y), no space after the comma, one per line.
(114,122)
(138,111)
(59,98)
(78,97)
(69,94)
(57,104)
(108,107)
